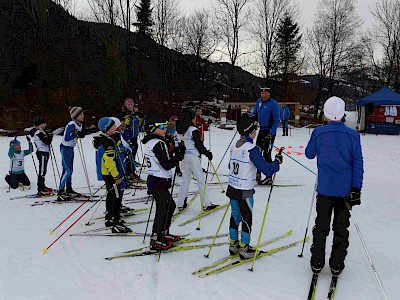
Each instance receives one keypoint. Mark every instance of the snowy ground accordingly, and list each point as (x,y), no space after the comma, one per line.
(74,268)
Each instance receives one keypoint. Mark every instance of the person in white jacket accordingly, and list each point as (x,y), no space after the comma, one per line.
(191,164)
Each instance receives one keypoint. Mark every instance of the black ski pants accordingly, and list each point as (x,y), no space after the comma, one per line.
(341,222)
(165,207)
(43,158)
(265,145)
(113,199)
(14,179)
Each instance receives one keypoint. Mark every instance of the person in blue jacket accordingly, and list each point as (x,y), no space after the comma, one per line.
(285,116)
(340,177)
(245,160)
(266,112)
(72,132)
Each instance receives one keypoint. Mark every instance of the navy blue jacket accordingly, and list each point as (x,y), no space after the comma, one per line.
(267,114)
(339,158)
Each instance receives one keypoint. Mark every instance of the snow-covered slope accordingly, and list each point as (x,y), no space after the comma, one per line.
(75,268)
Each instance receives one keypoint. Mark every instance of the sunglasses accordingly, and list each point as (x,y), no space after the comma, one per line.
(161,126)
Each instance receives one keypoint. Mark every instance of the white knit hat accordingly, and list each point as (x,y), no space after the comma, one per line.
(334,108)
(117,122)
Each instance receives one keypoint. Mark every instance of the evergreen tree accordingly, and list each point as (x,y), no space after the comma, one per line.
(288,39)
(144,20)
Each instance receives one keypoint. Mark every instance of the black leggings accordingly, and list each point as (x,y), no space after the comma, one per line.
(162,221)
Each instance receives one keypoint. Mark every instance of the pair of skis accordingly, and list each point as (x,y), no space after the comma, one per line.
(313,287)
(212,269)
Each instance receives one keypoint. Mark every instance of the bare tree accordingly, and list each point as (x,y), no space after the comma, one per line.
(231,17)
(265,22)
(333,42)
(166,14)
(105,11)
(386,34)
(201,39)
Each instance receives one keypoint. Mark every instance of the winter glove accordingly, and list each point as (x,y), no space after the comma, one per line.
(279,158)
(269,138)
(209,155)
(354,198)
(28,138)
(180,150)
(80,134)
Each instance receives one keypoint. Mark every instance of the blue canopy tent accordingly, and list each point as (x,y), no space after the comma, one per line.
(378,112)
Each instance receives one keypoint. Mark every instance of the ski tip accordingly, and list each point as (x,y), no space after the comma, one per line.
(44,250)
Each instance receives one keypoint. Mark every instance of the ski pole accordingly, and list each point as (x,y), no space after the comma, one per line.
(297,162)
(85,170)
(138,179)
(34,164)
(203,195)
(55,160)
(46,249)
(216,234)
(265,216)
(369,257)
(215,172)
(148,219)
(309,216)
(52,231)
(54,172)
(224,154)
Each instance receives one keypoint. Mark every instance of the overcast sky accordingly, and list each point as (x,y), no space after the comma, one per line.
(308,8)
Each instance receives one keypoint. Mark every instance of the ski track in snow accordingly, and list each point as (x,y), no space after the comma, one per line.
(75,268)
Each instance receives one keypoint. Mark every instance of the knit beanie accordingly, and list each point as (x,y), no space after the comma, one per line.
(334,108)
(75,112)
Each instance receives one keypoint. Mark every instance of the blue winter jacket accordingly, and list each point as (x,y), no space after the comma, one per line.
(285,113)
(339,158)
(267,114)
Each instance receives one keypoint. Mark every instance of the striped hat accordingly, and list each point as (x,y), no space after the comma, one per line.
(75,112)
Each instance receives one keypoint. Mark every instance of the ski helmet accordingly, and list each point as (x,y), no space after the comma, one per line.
(246,125)
(152,120)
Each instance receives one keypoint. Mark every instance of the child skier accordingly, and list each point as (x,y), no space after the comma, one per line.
(133,122)
(340,176)
(245,161)
(110,169)
(17,176)
(192,163)
(42,137)
(159,180)
(73,130)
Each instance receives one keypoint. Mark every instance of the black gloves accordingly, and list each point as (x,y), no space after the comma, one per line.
(180,151)
(269,137)
(209,155)
(28,138)
(80,134)
(354,198)
(279,158)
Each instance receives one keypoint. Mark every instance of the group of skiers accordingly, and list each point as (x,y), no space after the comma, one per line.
(168,144)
